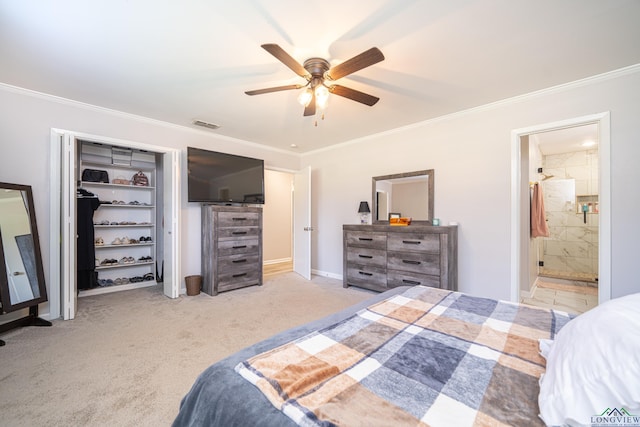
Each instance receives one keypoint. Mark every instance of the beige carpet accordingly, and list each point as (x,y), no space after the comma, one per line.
(129,357)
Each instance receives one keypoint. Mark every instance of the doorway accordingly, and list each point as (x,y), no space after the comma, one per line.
(528,252)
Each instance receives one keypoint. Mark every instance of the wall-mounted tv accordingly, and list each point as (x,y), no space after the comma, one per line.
(215,177)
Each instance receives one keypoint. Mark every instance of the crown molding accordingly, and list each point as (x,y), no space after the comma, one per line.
(610,75)
(142,119)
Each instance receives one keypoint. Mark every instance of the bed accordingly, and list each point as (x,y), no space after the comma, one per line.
(408,356)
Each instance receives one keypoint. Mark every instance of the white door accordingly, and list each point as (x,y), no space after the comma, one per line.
(69,232)
(302,223)
(171,189)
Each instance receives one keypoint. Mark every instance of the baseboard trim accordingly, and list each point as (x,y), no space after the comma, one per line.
(327,274)
(530,292)
(277,261)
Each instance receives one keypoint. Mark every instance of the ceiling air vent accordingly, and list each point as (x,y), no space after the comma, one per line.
(205,124)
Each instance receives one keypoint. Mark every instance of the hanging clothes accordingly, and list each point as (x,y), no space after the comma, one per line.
(87,203)
(539,226)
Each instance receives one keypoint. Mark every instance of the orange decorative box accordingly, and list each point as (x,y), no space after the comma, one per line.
(399,221)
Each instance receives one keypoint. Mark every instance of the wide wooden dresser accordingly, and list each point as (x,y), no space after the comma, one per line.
(231,247)
(380,257)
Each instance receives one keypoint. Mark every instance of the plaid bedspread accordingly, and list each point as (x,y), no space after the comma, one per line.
(424,357)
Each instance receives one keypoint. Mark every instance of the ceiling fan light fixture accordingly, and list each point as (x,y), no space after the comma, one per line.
(316,71)
(305,97)
(322,96)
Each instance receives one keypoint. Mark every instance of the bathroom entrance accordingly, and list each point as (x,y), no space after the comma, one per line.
(567,173)
(578,243)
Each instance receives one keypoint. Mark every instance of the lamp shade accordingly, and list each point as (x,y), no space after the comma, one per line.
(364,207)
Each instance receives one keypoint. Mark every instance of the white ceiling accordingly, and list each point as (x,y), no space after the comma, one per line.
(180,61)
(567,140)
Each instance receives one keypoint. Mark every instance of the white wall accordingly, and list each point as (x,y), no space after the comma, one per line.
(470,153)
(26,120)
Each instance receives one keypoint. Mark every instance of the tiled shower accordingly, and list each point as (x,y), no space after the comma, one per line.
(570,192)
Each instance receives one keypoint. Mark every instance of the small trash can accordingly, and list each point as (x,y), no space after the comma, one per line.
(193,284)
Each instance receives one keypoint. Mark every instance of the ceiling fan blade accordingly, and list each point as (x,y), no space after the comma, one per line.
(355,95)
(286,59)
(273,89)
(358,62)
(310,109)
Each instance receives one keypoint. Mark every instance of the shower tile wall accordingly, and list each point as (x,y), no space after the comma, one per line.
(571,251)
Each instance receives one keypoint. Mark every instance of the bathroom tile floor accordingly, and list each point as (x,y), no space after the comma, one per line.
(565,297)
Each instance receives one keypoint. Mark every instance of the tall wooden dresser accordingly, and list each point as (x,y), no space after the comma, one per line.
(380,257)
(231,247)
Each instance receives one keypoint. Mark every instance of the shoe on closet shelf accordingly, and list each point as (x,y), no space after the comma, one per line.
(116,241)
(148,276)
(99,241)
(125,241)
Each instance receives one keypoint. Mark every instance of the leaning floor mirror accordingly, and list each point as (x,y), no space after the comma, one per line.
(22,278)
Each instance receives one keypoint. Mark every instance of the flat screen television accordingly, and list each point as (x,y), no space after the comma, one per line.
(215,177)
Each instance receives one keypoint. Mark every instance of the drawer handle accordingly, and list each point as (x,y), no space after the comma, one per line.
(364,273)
(239,275)
(238,261)
(410,282)
(365,256)
(240,247)
(365,239)
(239,232)
(238,219)
(411,242)
(409,261)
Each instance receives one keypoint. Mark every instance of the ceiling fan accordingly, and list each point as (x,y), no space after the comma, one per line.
(319,75)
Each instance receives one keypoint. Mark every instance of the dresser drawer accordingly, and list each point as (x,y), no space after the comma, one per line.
(367,239)
(366,276)
(238,232)
(241,246)
(418,242)
(238,219)
(402,278)
(237,263)
(238,279)
(366,256)
(415,262)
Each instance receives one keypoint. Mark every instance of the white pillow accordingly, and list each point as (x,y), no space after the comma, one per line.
(593,365)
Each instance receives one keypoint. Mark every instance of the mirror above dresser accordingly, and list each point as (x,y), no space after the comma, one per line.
(408,194)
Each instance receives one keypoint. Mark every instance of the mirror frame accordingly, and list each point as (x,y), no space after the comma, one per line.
(430,175)
(5,298)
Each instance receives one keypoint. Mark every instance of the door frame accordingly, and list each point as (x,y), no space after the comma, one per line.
(520,199)
(63,156)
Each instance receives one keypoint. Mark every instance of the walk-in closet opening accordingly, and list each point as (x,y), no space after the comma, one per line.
(118,224)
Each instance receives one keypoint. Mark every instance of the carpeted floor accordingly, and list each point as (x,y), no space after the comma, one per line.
(129,357)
